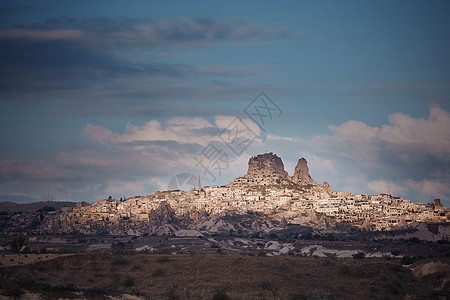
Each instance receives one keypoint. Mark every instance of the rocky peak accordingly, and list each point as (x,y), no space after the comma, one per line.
(263,169)
(266,164)
(327,188)
(301,173)
(437,204)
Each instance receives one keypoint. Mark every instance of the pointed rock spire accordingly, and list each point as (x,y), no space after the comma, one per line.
(301,173)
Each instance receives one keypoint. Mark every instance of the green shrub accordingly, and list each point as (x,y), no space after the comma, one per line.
(129,281)
(164,259)
(118,260)
(157,272)
(17,243)
(265,285)
(66,286)
(407,260)
(220,295)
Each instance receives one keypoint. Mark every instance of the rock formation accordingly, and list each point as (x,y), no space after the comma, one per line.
(268,169)
(266,164)
(327,188)
(264,169)
(437,203)
(301,173)
(164,214)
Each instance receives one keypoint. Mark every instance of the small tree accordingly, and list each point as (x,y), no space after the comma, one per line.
(17,243)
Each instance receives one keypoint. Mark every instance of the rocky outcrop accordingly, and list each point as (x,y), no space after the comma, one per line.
(162,215)
(437,204)
(428,268)
(432,232)
(268,169)
(301,173)
(327,188)
(263,169)
(268,164)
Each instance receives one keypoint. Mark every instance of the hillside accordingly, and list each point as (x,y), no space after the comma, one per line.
(8,206)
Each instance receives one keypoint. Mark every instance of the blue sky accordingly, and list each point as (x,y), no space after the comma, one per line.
(102,98)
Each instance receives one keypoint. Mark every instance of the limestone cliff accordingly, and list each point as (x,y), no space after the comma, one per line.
(301,173)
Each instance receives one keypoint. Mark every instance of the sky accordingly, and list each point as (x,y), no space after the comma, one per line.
(126,98)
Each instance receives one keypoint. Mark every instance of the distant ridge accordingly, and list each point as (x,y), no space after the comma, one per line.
(9,206)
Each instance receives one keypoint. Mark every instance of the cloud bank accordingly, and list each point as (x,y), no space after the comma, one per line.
(116,60)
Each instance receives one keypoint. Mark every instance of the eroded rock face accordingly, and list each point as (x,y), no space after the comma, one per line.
(301,173)
(327,188)
(437,203)
(162,215)
(268,169)
(266,164)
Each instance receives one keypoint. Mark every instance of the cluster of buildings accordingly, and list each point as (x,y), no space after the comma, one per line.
(266,189)
(368,212)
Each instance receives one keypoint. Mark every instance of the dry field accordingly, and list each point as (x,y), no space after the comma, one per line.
(8,260)
(191,276)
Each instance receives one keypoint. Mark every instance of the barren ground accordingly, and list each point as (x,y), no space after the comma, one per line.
(193,276)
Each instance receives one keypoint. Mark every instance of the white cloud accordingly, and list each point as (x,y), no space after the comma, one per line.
(181,130)
(278,138)
(430,188)
(432,135)
(404,133)
(99,134)
(172,147)
(354,130)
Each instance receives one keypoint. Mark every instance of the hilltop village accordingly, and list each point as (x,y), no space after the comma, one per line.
(266,191)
